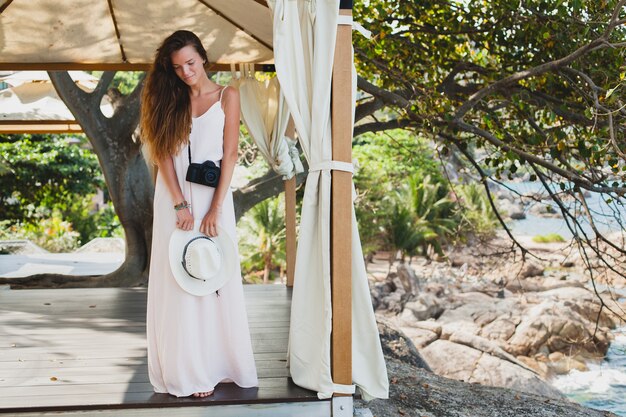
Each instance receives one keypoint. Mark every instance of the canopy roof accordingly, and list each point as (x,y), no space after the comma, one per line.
(124,34)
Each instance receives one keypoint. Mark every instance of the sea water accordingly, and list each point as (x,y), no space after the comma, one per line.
(608,217)
(603,386)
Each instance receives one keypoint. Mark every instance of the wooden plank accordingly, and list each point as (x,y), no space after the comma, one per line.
(278,409)
(71,335)
(255,326)
(124,361)
(63,380)
(341,269)
(111,351)
(224,394)
(141,384)
(290,216)
(99,367)
(117,293)
(97,356)
(308,409)
(117,66)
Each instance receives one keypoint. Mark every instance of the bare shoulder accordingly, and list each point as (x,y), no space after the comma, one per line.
(230,94)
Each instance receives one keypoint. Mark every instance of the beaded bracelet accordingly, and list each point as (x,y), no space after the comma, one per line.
(183,205)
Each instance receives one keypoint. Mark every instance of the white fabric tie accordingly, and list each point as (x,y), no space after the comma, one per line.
(347,20)
(287,162)
(338,389)
(332,165)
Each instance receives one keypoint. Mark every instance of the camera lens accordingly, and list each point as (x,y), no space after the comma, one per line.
(210,177)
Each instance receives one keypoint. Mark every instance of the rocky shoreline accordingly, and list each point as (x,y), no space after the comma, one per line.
(485,316)
(416,391)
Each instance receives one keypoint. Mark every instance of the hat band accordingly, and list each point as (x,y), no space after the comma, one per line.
(185,253)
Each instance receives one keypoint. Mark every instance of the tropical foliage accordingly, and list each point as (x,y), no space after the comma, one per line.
(47,187)
(405,204)
(262,241)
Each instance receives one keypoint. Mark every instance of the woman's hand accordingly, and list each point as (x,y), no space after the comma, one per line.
(209,222)
(184,219)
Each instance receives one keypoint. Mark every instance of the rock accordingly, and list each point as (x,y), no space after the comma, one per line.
(460,259)
(556,356)
(406,317)
(433,326)
(407,276)
(541,368)
(379,291)
(424,307)
(558,325)
(464,363)
(531,269)
(448,329)
(564,364)
(473,297)
(420,337)
(436,289)
(451,360)
(397,345)
(418,393)
(389,295)
(545,210)
(485,346)
(500,329)
(392,302)
(532,333)
(496,372)
(540,284)
(512,208)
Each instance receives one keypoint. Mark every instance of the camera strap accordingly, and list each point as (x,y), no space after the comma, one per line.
(188,183)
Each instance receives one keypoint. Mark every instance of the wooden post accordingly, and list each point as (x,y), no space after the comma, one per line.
(290,217)
(341,211)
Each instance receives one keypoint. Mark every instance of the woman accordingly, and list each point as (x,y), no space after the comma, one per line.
(194,342)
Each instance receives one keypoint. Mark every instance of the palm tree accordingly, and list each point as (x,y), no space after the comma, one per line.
(421,216)
(432,207)
(263,245)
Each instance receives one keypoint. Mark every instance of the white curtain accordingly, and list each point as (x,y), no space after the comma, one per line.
(304,44)
(265,114)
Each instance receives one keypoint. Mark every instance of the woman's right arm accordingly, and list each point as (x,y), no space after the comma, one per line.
(184,218)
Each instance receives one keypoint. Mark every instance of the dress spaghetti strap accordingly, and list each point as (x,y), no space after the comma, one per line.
(222,93)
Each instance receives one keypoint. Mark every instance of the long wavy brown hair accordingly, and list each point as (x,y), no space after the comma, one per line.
(165,102)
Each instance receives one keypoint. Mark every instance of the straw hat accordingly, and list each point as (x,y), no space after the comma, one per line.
(201,264)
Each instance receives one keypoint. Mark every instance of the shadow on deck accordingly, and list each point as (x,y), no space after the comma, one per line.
(74,350)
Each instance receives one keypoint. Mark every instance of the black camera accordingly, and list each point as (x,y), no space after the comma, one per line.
(206,173)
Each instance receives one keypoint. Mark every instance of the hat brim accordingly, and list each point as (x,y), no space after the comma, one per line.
(228,266)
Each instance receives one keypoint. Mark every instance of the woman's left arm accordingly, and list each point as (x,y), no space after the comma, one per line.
(230,103)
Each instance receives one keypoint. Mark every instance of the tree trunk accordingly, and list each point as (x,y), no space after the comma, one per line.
(268,267)
(126,175)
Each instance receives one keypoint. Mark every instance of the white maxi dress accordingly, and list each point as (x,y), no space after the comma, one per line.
(194,342)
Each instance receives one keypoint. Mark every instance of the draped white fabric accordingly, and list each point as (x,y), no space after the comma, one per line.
(265,114)
(304,44)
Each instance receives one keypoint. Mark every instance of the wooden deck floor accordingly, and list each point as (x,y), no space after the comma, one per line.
(85,349)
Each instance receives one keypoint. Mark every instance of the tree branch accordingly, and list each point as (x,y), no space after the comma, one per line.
(518,76)
(367,108)
(266,186)
(576,179)
(380,126)
(103,84)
